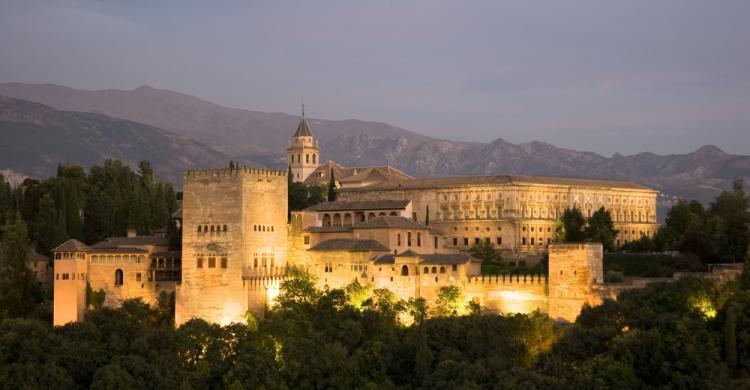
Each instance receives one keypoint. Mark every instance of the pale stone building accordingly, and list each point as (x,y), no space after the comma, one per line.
(386,229)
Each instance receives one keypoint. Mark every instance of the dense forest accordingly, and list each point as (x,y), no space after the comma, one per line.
(106,202)
(686,334)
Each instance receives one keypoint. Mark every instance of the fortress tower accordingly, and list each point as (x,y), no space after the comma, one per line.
(234,230)
(303,153)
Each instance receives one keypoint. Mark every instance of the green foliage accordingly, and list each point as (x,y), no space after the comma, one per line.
(448,301)
(96,298)
(571,228)
(679,334)
(19,290)
(332,188)
(599,228)
(651,265)
(717,234)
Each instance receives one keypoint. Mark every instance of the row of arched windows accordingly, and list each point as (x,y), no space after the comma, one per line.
(434,270)
(212,228)
(263,228)
(212,262)
(307,158)
(127,259)
(265,260)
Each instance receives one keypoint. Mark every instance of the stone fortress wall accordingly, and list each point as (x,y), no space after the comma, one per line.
(234,226)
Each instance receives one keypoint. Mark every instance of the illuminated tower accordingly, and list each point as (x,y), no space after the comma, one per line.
(303,153)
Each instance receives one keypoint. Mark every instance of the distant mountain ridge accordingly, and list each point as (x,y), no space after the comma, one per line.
(35,138)
(262,137)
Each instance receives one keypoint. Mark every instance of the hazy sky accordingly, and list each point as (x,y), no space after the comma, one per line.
(665,76)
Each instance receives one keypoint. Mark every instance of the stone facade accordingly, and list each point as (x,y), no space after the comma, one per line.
(234,226)
(517,214)
(386,229)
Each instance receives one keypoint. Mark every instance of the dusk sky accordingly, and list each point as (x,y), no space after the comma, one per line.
(629,76)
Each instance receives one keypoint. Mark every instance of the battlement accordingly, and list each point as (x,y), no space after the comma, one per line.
(517,279)
(575,246)
(230,172)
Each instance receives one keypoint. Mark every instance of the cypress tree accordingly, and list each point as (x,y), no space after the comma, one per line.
(19,291)
(46,221)
(332,188)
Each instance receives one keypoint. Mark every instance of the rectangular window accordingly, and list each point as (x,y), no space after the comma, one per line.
(419,239)
(57,276)
(408,239)
(487,240)
(223,262)
(532,240)
(137,276)
(466,241)
(65,276)
(523,241)
(476,240)
(414,215)
(307,240)
(455,267)
(211,262)
(398,239)
(200,262)
(455,241)
(436,242)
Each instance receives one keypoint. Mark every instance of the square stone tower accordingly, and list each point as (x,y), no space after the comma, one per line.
(234,226)
(574,270)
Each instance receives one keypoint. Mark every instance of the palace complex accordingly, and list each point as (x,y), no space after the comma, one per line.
(385,229)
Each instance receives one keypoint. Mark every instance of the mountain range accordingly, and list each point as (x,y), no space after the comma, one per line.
(177,131)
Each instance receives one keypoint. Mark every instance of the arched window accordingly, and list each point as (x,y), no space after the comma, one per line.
(336,220)
(212,228)
(347,219)
(225,228)
(199,228)
(434,270)
(118,277)
(394,214)
(404,271)
(442,270)
(326,220)
(371,216)
(426,270)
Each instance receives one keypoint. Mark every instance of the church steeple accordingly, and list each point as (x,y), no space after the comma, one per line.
(303,154)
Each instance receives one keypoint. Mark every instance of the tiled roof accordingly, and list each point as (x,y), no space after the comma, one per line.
(128,250)
(321,174)
(451,258)
(390,223)
(360,205)
(328,229)
(349,244)
(460,181)
(303,130)
(72,245)
(447,258)
(114,242)
(169,255)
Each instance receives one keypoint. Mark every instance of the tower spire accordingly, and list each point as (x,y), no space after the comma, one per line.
(303,110)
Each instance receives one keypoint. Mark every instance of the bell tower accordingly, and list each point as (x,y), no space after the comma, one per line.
(303,153)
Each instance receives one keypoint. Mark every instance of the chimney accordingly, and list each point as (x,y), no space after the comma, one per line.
(131,233)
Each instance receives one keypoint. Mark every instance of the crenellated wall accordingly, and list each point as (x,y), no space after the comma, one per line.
(508,293)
